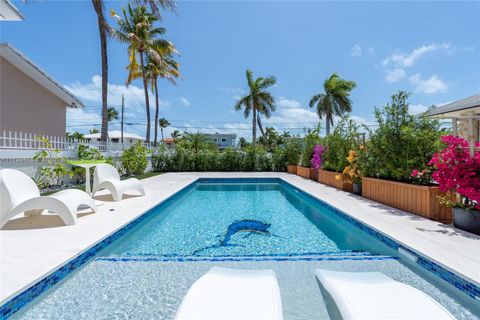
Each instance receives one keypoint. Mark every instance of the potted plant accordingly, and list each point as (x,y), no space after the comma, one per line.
(351,173)
(316,161)
(458,173)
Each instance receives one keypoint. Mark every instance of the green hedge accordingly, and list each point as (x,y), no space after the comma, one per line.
(229,160)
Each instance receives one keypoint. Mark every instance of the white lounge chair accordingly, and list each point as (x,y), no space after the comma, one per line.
(373,295)
(107,177)
(230,294)
(19,193)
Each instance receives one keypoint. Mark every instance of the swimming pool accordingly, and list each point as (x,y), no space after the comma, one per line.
(252,224)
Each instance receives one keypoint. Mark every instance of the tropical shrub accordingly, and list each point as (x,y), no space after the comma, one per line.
(456,171)
(279,159)
(293,151)
(316,162)
(85,152)
(231,160)
(54,166)
(134,159)
(351,173)
(402,142)
(344,138)
(310,140)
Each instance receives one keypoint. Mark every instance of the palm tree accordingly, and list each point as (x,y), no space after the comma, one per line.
(161,64)
(176,134)
(103,29)
(136,28)
(112,114)
(163,123)
(258,100)
(93,131)
(335,101)
(156,5)
(77,136)
(196,140)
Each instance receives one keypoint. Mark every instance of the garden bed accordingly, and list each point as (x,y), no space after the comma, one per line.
(330,179)
(306,172)
(417,199)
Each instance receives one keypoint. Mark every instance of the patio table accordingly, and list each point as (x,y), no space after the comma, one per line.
(87,165)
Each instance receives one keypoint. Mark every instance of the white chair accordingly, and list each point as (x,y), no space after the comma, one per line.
(107,177)
(233,294)
(19,193)
(373,295)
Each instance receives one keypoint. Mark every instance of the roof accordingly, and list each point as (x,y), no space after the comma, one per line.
(8,11)
(233,135)
(463,107)
(169,140)
(116,134)
(20,61)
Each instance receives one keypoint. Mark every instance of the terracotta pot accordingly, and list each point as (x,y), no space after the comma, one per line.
(420,200)
(468,220)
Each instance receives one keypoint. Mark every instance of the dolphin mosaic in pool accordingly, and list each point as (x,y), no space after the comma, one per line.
(249,226)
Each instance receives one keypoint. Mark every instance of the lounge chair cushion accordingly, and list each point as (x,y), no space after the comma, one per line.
(373,295)
(233,294)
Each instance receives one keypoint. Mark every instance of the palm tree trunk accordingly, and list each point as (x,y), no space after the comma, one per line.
(102,28)
(327,127)
(156,111)
(147,102)
(161,131)
(260,124)
(254,127)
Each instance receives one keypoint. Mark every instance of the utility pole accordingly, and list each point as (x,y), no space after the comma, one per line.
(121,125)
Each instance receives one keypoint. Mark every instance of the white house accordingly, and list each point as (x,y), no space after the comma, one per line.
(115,137)
(223,140)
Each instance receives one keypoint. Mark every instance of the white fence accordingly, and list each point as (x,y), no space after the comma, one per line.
(30,141)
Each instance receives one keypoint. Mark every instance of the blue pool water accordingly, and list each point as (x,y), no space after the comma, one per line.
(198,222)
(145,273)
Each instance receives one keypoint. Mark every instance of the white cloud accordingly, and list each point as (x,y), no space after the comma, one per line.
(92,93)
(408,60)
(80,120)
(283,102)
(185,102)
(356,50)
(394,75)
(291,114)
(417,108)
(371,50)
(431,85)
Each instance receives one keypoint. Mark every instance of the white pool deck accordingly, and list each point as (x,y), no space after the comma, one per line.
(31,248)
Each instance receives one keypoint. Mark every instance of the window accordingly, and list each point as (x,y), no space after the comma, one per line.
(224,139)
(115,140)
(214,139)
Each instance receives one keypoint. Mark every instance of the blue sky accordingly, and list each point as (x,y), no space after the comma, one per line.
(431,49)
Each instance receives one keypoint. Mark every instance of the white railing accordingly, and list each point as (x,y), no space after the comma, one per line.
(30,141)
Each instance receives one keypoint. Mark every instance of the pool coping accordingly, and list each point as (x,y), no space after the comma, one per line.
(66,267)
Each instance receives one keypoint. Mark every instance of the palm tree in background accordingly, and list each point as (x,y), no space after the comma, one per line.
(160,63)
(176,134)
(163,123)
(258,100)
(335,101)
(196,140)
(112,114)
(77,136)
(137,29)
(104,30)
(93,131)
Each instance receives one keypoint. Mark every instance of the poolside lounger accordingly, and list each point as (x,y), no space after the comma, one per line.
(19,193)
(107,177)
(230,294)
(373,295)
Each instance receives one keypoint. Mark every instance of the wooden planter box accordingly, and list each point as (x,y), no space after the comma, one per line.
(330,179)
(292,169)
(420,200)
(305,172)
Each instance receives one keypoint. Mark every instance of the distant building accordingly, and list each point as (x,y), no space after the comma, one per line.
(465,117)
(169,142)
(224,140)
(115,137)
(31,101)
(8,11)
